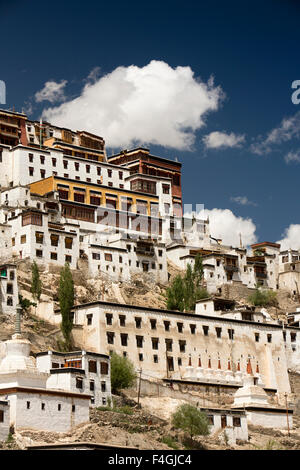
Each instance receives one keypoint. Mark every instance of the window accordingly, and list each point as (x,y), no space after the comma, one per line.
(155,342)
(103,386)
(73,408)
(210,420)
(31,171)
(109,318)
(108,256)
(179,360)
(230,333)
(12,275)
(39,237)
(153,323)
(269,338)
(138,322)
(79,196)
(170,363)
(180,327)
(53,256)
(122,319)
(293,337)
(103,368)
(88,168)
(65,164)
(167,325)
(166,189)
(54,161)
(95,200)
(93,366)
(59,407)
(109,173)
(42,159)
(30,157)
(141,357)
(205,330)
(124,339)
(121,175)
(155,358)
(169,344)
(54,239)
(89,319)
(68,259)
(160,252)
(182,345)
(218,331)
(31,218)
(28,405)
(39,253)
(236,421)
(110,337)
(139,341)
(68,243)
(43,406)
(23,239)
(193,329)
(43,173)
(256,337)
(79,382)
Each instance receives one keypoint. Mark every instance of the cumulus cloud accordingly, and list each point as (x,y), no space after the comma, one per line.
(291,237)
(154,104)
(218,139)
(52,91)
(288,129)
(292,157)
(224,224)
(243,201)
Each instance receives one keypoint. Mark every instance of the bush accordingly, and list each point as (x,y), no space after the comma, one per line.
(191,420)
(263,298)
(122,372)
(185,291)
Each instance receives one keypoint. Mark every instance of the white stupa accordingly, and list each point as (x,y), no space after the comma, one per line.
(17,367)
(250,394)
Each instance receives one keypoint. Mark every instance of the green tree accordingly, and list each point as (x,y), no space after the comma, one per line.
(175,294)
(36,284)
(184,292)
(25,303)
(263,298)
(66,295)
(191,420)
(122,372)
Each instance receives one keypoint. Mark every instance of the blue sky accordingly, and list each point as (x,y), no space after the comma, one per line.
(251,48)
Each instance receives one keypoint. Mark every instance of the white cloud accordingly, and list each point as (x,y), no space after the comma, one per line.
(291,238)
(224,224)
(52,92)
(288,129)
(292,157)
(133,105)
(243,201)
(218,139)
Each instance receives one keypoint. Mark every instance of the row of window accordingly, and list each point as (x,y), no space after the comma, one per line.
(43,406)
(77,166)
(167,325)
(92,388)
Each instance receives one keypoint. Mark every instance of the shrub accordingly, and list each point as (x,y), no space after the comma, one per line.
(191,420)
(122,372)
(263,298)
(185,291)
